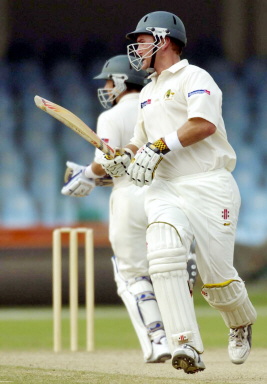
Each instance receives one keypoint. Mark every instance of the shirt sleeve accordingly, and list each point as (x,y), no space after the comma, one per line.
(204,97)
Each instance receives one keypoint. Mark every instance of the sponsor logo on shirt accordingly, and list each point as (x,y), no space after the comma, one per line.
(225,216)
(105,140)
(169,95)
(145,103)
(198,91)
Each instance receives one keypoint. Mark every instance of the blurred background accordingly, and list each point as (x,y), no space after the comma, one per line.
(53,49)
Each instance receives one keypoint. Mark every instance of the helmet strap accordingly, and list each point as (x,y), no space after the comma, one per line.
(153,57)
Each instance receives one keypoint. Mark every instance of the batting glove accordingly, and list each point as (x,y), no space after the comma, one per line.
(142,168)
(76,183)
(118,166)
(79,185)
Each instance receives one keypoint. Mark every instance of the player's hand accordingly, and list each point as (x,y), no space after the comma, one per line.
(118,166)
(142,168)
(76,184)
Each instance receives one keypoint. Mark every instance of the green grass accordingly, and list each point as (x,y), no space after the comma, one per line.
(32,328)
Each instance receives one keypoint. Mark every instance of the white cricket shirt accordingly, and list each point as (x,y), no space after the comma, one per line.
(179,93)
(116,125)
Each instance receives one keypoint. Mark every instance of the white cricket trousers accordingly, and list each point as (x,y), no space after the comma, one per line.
(205,207)
(127,231)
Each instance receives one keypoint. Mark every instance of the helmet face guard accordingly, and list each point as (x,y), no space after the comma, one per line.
(151,48)
(106,96)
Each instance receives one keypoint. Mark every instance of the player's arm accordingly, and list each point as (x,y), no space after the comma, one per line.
(94,170)
(79,180)
(132,148)
(193,131)
(143,167)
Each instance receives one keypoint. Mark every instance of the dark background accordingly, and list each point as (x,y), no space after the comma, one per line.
(235,27)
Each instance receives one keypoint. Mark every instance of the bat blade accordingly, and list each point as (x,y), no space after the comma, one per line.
(75,123)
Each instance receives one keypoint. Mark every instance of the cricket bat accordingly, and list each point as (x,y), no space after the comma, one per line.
(75,123)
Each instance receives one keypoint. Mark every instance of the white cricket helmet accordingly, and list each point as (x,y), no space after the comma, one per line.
(159,24)
(119,70)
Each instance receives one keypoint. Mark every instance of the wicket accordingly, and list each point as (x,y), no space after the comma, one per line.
(73,286)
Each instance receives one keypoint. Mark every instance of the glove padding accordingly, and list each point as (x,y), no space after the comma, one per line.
(76,183)
(143,166)
(118,166)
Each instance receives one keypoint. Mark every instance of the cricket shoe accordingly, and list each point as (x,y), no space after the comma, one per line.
(160,351)
(239,344)
(188,359)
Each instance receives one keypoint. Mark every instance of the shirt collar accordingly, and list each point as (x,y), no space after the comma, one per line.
(173,69)
(176,67)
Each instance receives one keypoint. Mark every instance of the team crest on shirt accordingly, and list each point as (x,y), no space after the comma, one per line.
(169,95)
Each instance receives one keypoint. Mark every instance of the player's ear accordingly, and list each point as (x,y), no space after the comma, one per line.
(167,43)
